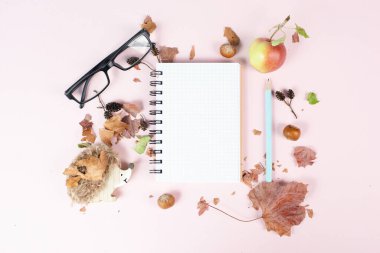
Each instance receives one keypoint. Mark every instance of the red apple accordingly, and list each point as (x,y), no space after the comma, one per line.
(264,57)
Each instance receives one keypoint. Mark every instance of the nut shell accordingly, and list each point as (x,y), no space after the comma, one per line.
(166,201)
(291,132)
(227,50)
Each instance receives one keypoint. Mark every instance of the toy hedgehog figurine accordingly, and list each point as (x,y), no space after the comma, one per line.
(95,174)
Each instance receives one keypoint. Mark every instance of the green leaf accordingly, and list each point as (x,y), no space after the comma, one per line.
(301,31)
(142,143)
(312,98)
(278,41)
(84,145)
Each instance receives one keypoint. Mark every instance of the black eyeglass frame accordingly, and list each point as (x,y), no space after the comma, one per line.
(104,66)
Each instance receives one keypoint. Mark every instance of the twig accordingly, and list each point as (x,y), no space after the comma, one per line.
(291,108)
(233,217)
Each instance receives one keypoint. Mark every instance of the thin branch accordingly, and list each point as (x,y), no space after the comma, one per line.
(233,217)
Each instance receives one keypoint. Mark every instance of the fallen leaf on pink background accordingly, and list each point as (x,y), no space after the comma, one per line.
(202,206)
(304,156)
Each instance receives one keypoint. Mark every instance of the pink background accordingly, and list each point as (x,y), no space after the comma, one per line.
(47,45)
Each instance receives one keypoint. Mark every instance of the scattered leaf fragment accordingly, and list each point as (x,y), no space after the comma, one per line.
(150,152)
(280,204)
(304,156)
(142,143)
(115,124)
(106,136)
(216,201)
(231,36)
(86,122)
(83,209)
(312,98)
(256,132)
(137,80)
(89,168)
(132,109)
(202,206)
(150,196)
(168,54)
(301,31)
(233,193)
(72,182)
(137,67)
(295,37)
(84,145)
(87,132)
(285,170)
(192,53)
(310,213)
(148,24)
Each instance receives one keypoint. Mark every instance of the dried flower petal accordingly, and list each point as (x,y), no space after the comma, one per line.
(192,53)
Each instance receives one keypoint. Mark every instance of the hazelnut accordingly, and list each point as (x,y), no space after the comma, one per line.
(166,201)
(227,50)
(291,132)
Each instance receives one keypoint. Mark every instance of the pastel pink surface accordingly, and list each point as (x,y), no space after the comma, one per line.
(46,45)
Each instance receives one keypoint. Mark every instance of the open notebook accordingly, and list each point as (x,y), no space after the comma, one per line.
(197,121)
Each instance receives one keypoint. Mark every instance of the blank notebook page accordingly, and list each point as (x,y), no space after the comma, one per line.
(200,122)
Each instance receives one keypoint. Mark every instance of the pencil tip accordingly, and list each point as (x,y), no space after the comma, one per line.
(268,84)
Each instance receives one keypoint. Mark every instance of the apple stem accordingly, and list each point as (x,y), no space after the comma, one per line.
(279,27)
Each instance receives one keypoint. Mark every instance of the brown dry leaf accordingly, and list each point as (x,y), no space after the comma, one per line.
(231,36)
(216,201)
(132,109)
(83,209)
(151,196)
(233,193)
(192,53)
(72,182)
(202,206)
(167,54)
(137,67)
(134,126)
(280,204)
(247,178)
(295,37)
(148,24)
(86,122)
(88,135)
(304,156)
(149,152)
(89,168)
(137,80)
(310,213)
(256,132)
(115,124)
(106,136)
(285,170)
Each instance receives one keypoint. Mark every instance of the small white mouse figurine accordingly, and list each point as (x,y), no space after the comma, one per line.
(116,178)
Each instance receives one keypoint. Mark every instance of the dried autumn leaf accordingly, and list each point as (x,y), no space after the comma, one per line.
(310,213)
(295,38)
(216,201)
(115,124)
(83,209)
(256,132)
(280,204)
(106,136)
(89,168)
(231,36)
(72,182)
(132,109)
(86,122)
(247,178)
(202,206)
(192,53)
(149,152)
(304,156)
(136,80)
(148,24)
(285,170)
(137,67)
(134,126)
(167,54)
(88,135)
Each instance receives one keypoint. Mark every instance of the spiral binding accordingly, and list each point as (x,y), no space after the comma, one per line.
(155,93)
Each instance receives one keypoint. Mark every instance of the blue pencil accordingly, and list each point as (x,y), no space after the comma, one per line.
(268,130)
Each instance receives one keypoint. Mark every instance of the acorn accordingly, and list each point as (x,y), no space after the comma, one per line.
(166,201)
(227,50)
(291,132)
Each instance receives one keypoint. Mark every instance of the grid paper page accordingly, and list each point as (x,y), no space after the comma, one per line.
(201,122)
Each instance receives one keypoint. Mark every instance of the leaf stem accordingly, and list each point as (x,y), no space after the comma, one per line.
(279,27)
(233,217)
(291,108)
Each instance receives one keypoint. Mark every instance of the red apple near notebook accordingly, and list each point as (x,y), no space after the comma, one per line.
(265,57)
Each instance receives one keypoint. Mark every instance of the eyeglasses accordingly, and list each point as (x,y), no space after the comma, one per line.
(125,57)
